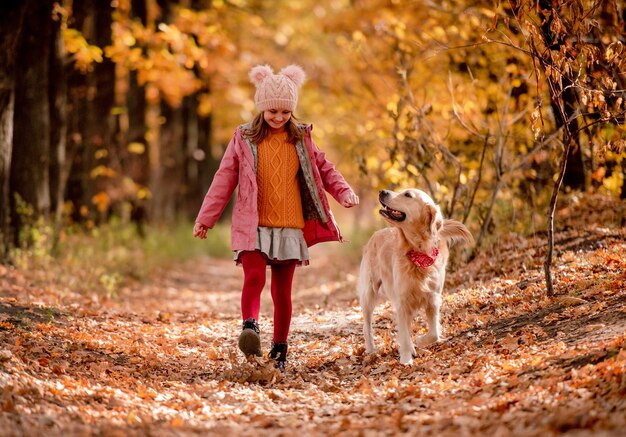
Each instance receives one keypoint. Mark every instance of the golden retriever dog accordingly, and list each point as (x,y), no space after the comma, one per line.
(406,264)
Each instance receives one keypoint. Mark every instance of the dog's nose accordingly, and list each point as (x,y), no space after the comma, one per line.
(383,193)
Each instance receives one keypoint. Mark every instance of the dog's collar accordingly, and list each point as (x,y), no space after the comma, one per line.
(420,259)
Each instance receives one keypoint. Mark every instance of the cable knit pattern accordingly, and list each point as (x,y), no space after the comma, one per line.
(279,200)
(277,91)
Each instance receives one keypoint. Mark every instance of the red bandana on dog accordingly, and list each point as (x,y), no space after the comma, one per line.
(420,259)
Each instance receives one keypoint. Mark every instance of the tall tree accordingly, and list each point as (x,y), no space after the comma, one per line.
(90,98)
(558,41)
(11,14)
(31,137)
(58,119)
(581,61)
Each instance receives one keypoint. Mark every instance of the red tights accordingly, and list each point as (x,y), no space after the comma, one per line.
(254,265)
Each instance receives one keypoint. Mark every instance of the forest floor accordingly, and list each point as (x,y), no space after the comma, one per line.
(160,358)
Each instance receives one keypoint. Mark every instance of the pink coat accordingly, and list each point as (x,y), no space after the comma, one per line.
(238,168)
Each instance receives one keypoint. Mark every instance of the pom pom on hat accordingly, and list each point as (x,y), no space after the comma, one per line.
(259,73)
(277,91)
(295,73)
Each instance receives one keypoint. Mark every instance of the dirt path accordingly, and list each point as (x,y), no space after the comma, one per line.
(161,359)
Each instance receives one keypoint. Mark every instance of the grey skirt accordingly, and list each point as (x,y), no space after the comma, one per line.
(281,245)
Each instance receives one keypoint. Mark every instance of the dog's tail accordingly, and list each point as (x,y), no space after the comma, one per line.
(454,231)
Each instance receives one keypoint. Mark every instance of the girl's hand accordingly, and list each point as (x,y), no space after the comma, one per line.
(350,201)
(199,231)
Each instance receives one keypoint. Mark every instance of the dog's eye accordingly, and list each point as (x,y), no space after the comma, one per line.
(408,194)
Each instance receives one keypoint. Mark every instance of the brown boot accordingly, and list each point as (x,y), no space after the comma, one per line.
(250,338)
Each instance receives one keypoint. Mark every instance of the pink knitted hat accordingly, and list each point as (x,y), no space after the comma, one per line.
(276,91)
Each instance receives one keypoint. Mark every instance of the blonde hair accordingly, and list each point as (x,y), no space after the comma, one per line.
(261,130)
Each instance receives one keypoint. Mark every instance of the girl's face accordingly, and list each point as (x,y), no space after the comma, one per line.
(276,118)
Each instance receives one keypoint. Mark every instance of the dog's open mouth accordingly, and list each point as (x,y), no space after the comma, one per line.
(392,214)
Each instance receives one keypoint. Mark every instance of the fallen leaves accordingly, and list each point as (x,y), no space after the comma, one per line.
(166,363)
(5,355)
(570,301)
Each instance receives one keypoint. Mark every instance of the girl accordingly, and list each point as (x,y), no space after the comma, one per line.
(281,208)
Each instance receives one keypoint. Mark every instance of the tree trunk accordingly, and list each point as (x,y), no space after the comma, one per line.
(31,137)
(91,98)
(574,176)
(101,133)
(166,186)
(79,117)
(58,122)
(190,144)
(138,166)
(200,165)
(166,152)
(11,13)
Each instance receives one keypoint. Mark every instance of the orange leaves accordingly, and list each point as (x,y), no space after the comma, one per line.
(6,325)
(84,54)
(162,358)
(167,56)
(146,393)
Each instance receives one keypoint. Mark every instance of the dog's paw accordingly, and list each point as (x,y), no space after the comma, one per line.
(427,339)
(406,360)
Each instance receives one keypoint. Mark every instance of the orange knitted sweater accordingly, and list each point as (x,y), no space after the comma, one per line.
(279,201)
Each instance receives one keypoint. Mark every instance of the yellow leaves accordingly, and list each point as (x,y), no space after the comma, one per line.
(393,172)
(358,36)
(84,54)
(400,30)
(136,148)
(165,57)
(102,171)
(412,169)
(147,393)
(101,153)
(512,68)
(143,193)
(205,105)
(535,122)
(439,33)
(614,52)
(133,419)
(614,183)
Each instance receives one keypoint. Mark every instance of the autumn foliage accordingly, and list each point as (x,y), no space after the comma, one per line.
(481,104)
(114,116)
(161,358)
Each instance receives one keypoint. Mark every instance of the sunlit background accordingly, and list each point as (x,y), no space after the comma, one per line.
(129,104)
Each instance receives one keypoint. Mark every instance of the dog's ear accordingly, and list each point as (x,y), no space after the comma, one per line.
(435,218)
